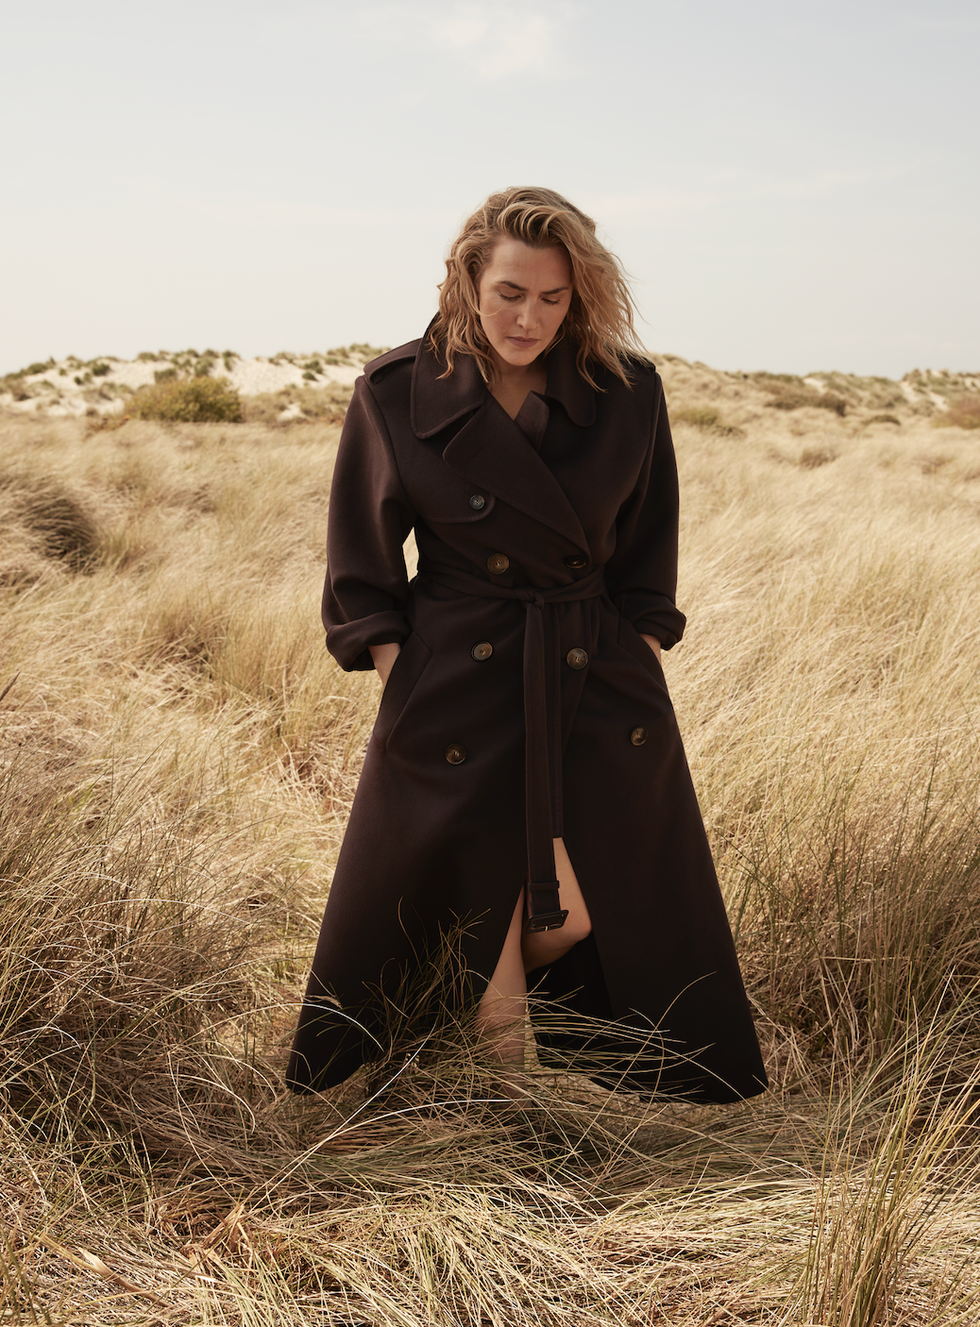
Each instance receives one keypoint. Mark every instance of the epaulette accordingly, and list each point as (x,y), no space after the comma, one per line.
(642,364)
(376,369)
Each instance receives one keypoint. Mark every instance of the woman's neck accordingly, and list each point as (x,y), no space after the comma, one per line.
(511,384)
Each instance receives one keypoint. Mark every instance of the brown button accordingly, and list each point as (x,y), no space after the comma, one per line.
(576,658)
(575,562)
(498,563)
(455,753)
(482,650)
(478,502)
(638,736)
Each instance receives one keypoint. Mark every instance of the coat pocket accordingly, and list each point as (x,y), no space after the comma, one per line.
(405,673)
(630,640)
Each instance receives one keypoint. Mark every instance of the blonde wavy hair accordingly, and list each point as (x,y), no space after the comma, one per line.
(599,320)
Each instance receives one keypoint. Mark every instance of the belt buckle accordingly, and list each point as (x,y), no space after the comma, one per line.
(546,921)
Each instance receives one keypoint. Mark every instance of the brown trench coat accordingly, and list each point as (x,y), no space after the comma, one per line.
(578,499)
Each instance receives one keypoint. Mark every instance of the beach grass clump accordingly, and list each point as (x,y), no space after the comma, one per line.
(326,404)
(49,517)
(963,413)
(41,367)
(701,416)
(197,400)
(793,396)
(813,457)
(704,417)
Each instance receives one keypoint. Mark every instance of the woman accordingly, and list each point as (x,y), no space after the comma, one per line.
(525,808)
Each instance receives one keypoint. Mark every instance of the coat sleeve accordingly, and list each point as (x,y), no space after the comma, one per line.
(641,576)
(366,589)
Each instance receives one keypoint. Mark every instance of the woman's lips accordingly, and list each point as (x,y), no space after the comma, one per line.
(522,343)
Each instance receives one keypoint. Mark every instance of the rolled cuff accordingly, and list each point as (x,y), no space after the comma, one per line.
(348,642)
(653,615)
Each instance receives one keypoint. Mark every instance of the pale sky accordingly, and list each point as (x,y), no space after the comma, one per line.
(792,184)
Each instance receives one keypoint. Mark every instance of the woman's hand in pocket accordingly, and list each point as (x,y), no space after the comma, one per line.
(384,657)
(652,642)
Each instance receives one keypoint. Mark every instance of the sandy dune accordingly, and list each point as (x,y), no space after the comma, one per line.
(71,387)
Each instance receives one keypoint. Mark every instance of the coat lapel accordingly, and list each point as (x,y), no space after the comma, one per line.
(490,449)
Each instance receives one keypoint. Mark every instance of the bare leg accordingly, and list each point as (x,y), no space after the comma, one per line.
(543,947)
(503,1009)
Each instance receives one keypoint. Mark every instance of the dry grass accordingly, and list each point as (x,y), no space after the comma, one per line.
(324,405)
(964,413)
(178,756)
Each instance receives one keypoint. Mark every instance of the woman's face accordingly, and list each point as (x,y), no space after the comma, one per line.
(524,295)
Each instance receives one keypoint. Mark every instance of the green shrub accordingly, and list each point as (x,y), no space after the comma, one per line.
(192,401)
(101,369)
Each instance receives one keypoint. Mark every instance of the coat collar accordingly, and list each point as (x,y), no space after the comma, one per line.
(438,402)
(489,449)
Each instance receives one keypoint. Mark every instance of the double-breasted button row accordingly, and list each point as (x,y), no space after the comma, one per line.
(455,753)
(498,563)
(638,736)
(576,561)
(481,650)
(478,502)
(576,658)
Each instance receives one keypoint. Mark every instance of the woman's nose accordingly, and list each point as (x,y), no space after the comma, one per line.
(526,315)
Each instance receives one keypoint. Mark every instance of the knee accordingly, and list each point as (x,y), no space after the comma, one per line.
(543,947)
(576,928)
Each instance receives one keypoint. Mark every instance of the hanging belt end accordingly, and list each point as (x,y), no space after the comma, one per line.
(543,910)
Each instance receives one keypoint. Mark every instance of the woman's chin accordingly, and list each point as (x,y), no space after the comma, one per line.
(517,357)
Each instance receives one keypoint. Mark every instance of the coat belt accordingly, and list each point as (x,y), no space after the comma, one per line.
(542,782)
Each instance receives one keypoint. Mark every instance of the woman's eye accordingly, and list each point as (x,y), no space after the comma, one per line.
(512,299)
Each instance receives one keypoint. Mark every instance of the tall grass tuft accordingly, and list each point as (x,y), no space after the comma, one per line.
(881,1200)
(48,517)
